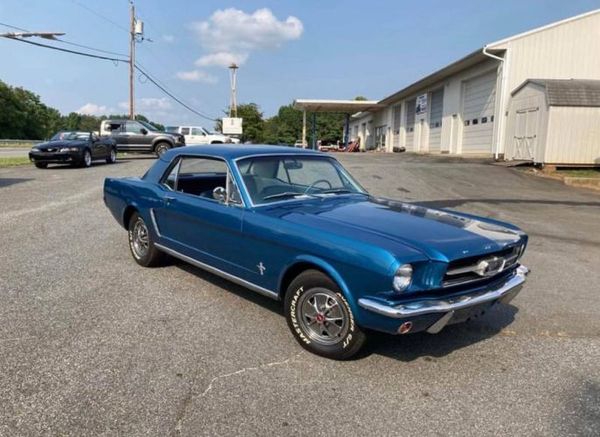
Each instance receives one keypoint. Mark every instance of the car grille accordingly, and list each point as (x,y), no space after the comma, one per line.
(481,267)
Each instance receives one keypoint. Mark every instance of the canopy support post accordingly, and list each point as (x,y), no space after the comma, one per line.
(347,131)
(313,144)
(304,128)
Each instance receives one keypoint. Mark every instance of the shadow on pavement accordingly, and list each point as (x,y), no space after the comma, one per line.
(6,182)
(430,346)
(403,348)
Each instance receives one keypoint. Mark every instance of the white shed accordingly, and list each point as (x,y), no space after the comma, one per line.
(555,122)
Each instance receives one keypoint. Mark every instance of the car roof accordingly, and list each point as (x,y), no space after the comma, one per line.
(234,151)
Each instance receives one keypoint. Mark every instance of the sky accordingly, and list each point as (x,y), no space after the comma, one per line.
(286,49)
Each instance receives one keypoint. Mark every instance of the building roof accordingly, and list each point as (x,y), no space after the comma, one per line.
(568,92)
(476,57)
(234,151)
(347,106)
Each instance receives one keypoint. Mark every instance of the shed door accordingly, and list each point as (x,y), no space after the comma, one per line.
(435,120)
(410,124)
(526,134)
(479,98)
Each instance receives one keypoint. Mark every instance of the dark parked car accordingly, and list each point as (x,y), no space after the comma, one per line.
(139,136)
(294,225)
(75,148)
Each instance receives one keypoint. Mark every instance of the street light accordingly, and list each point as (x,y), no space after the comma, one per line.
(45,35)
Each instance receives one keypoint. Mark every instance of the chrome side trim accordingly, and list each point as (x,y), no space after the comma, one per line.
(154,223)
(414,309)
(221,273)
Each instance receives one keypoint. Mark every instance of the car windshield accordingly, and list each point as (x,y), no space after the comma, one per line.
(62,136)
(172,129)
(274,178)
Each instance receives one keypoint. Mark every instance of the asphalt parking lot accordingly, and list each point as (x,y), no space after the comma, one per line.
(91,343)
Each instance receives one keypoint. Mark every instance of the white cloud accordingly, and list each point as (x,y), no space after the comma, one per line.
(221,59)
(196,76)
(93,109)
(229,35)
(149,104)
(168,38)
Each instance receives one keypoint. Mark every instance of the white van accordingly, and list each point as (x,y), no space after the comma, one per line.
(198,135)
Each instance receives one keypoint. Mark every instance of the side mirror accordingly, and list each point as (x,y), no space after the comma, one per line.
(144,131)
(220,194)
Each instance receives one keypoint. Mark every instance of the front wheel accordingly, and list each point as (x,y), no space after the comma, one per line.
(86,160)
(112,156)
(141,243)
(320,317)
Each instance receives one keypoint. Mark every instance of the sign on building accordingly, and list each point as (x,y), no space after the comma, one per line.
(421,106)
(232,126)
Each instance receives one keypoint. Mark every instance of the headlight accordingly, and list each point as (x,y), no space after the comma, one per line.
(403,277)
(35,149)
(69,149)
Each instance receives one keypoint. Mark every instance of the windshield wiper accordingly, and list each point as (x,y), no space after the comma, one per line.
(285,194)
(340,191)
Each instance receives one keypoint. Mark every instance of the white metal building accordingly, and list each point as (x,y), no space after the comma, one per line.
(464,108)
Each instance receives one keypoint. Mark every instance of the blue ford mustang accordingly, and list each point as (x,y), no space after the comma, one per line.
(294,225)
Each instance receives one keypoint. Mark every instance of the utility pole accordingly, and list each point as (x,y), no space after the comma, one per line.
(233,103)
(132,62)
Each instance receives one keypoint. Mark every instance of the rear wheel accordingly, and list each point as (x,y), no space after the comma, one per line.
(41,164)
(112,156)
(320,317)
(161,148)
(141,244)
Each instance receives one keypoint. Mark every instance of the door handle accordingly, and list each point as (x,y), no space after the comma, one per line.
(169,199)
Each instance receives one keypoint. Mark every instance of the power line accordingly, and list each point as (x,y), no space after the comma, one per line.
(14,27)
(90,55)
(98,14)
(164,90)
(90,48)
(68,42)
(137,67)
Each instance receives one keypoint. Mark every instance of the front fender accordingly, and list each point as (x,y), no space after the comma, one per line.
(329,270)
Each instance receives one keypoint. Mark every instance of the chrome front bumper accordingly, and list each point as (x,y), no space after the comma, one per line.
(505,292)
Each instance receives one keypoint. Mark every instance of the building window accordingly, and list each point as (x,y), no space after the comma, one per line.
(475,121)
(492,119)
(467,122)
(483,120)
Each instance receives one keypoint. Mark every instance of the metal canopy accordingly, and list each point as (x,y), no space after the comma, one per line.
(346,106)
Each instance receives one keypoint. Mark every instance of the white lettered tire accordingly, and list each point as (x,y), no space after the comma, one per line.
(320,317)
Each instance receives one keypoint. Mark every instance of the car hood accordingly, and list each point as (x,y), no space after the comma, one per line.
(61,143)
(439,234)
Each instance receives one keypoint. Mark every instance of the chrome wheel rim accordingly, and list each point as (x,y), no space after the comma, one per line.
(87,159)
(161,150)
(140,241)
(113,156)
(322,316)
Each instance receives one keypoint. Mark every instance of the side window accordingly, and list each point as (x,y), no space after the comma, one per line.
(203,177)
(133,127)
(196,131)
(185,131)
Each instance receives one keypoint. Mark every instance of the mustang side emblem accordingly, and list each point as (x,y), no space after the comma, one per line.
(262,268)
(490,266)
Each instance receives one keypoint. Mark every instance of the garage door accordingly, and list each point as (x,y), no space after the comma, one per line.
(435,120)
(410,125)
(479,98)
